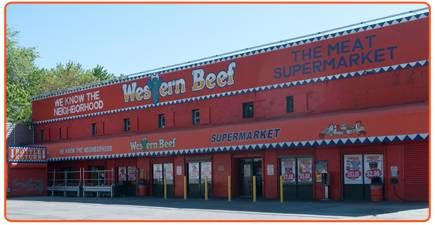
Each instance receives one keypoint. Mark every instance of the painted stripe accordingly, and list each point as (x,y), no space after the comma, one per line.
(262,146)
(359,73)
(239,55)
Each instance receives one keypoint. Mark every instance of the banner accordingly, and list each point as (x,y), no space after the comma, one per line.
(344,53)
(157,172)
(206,171)
(193,172)
(373,167)
(169,174)
(353,169)
(288,170)
(305,170)
(122,174)
(131,173)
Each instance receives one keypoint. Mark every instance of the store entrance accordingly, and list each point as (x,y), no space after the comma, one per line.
(160,173)
(127,180)
(297,173)
(358,172)
(197,173)
(249,168)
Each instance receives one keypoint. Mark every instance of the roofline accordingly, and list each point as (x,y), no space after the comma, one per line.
(232,54)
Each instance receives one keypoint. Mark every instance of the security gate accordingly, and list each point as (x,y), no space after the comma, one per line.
(197,172)
(160,173)
(297,173)
(358,171)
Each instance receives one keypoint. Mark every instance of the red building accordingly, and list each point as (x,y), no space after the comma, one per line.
(350,103)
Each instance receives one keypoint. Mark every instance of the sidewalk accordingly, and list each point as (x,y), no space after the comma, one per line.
(213,209)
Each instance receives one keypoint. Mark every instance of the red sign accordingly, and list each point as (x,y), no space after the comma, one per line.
(379,122)
(390,45)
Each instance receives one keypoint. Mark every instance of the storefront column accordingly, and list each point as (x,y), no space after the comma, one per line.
(271,175)
(332,156)
(179,176)
(221,169)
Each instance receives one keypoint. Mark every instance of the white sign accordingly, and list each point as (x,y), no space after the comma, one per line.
(353,169)
(288,170)
(157,171)
(193,172)
(179,171)
(167,167)
(206,171)
(270,170)
(247,170)
(305,170)
(373,167)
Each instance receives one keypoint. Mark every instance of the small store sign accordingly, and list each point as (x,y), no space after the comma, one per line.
(343,129)
(146,144)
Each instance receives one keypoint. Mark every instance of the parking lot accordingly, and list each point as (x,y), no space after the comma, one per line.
(149,208)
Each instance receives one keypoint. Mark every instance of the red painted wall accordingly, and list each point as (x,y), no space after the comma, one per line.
(391,88)
(26,179)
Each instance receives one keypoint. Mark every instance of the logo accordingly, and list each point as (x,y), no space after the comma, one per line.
(342,129)
(154,85)
(146,144)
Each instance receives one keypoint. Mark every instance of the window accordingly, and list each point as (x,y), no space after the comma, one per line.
(60,133)
(126,124)
(41,136)
(248,110)
(195,116)
(289,101)
(162,121)
(94,129)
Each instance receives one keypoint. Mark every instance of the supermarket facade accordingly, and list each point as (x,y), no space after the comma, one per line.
(352,104)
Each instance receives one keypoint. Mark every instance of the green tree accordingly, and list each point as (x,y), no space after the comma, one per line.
(25,79)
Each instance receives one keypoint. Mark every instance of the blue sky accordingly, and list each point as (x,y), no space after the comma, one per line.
(131,38)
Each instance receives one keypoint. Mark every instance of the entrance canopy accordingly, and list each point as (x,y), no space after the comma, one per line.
(407,122)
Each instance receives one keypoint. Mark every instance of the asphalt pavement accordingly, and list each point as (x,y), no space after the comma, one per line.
(151,208)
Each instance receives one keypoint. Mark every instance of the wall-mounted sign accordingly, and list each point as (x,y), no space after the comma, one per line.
(353,173)
(27,153)
(362,50)
(146,144)
(179,170)
(270,170)
(272,133)
(342,129)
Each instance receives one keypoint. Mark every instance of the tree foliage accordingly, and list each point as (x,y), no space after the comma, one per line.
(25,79)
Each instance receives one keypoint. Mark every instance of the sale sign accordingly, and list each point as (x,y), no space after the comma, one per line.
(305,170)
(373,167)
(353,169)
(288,170)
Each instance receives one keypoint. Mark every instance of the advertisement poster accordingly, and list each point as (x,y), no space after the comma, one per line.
(373,167)
(305,170)
(122,173)
(288,170)
(167,167)
(353,169)
(193,172)
(131,173)
(157,171)
(206,171)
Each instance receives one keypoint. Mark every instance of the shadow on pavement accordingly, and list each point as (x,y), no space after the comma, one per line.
(329,208)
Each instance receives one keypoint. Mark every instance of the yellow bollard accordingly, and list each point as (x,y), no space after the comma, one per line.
(281,191)
(206,189)
(229,188)
(185,188)
(254,189)
(164,188)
